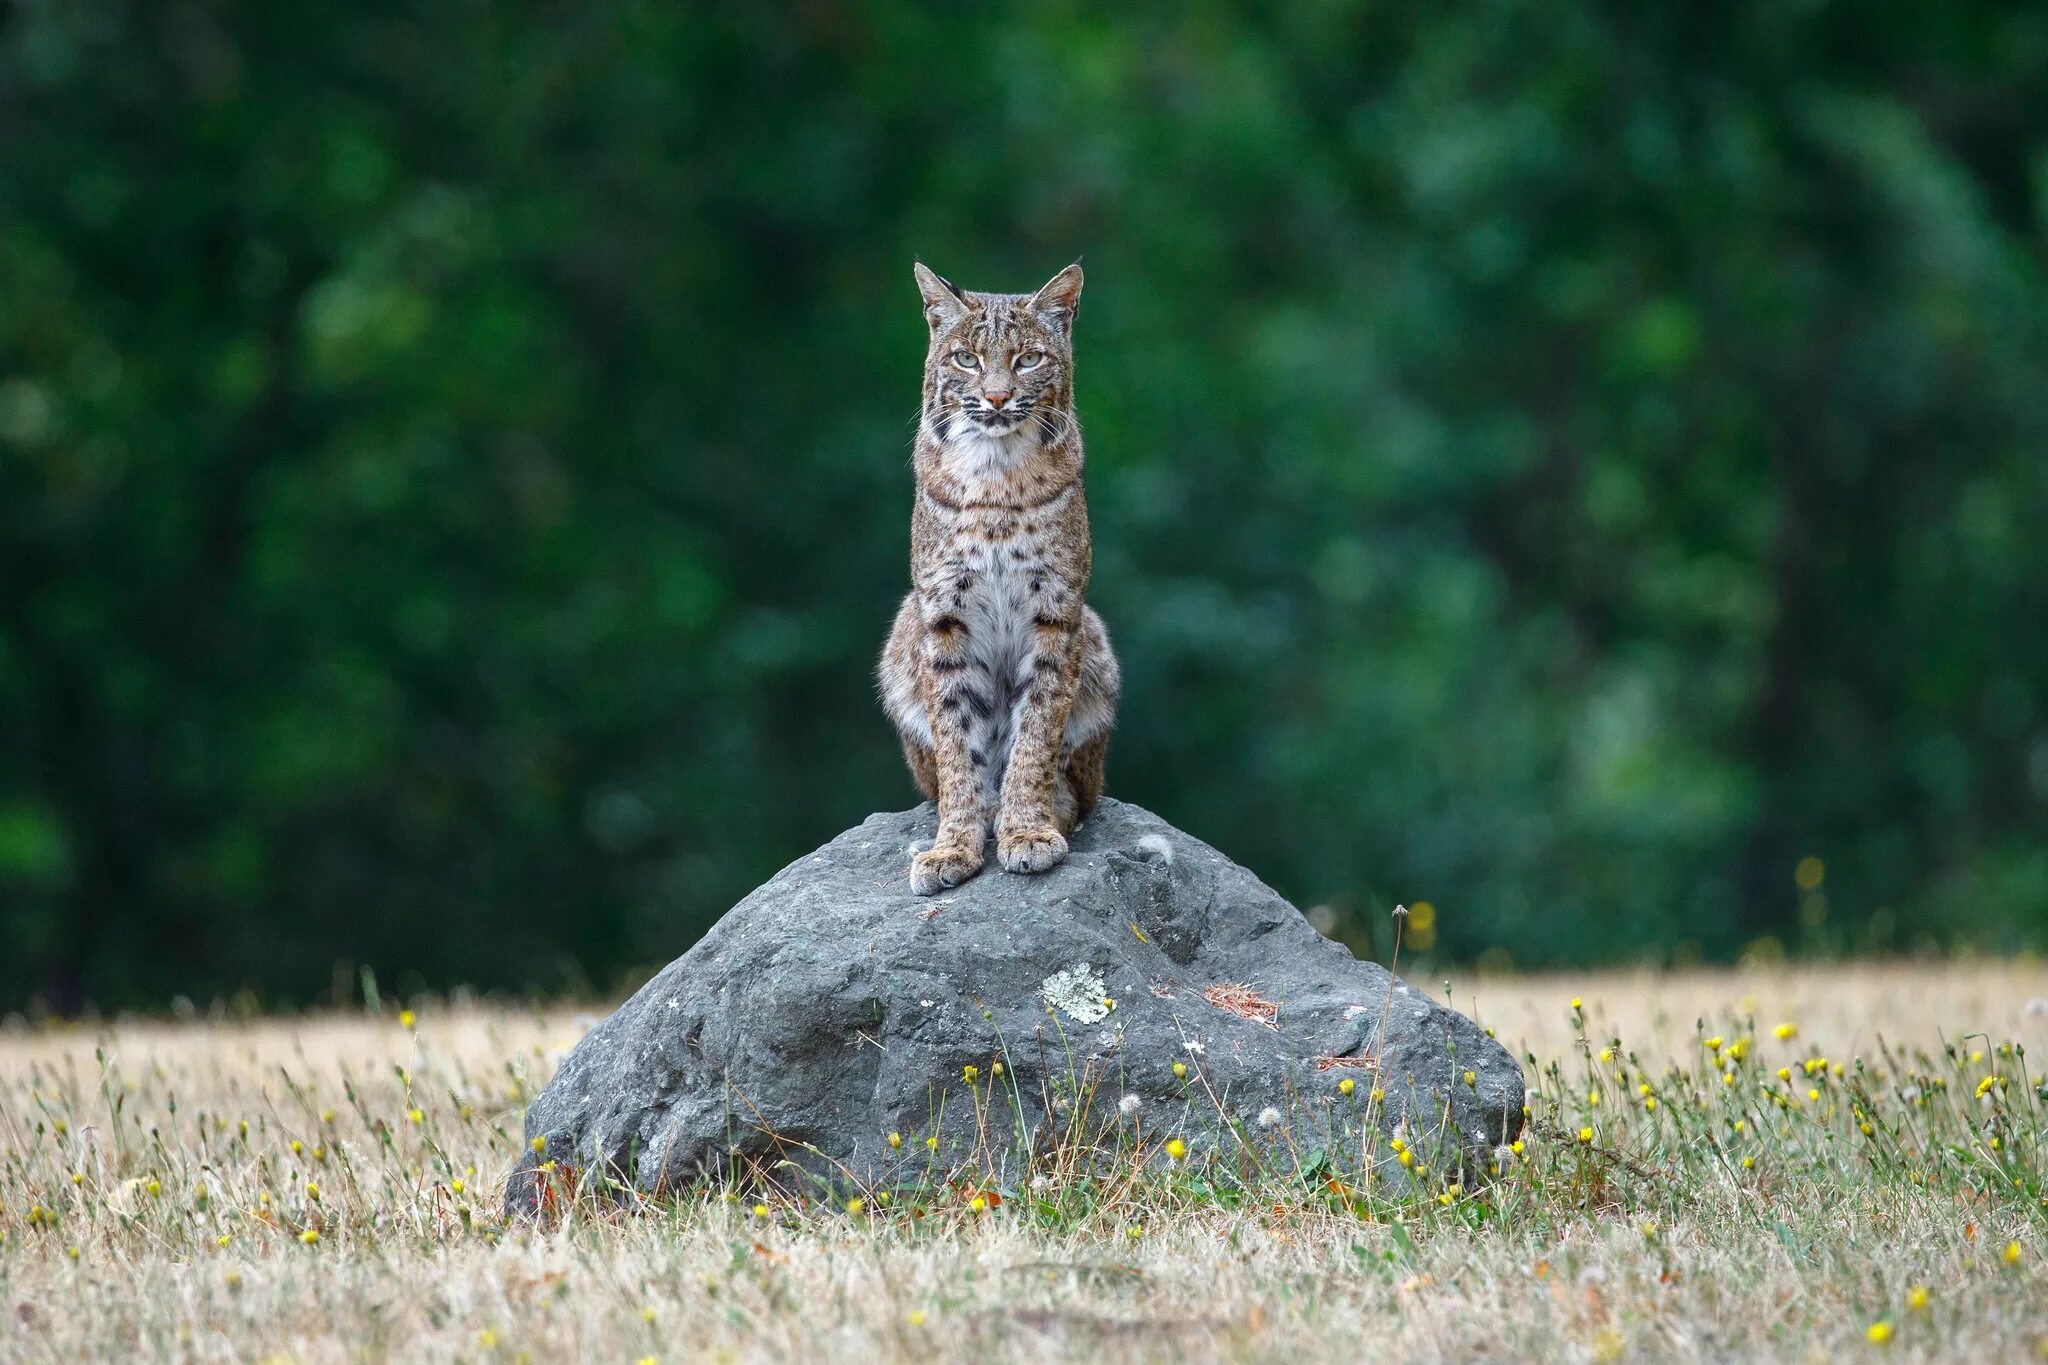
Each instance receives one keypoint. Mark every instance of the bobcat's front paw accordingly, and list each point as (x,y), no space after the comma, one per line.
(938,868)
(1031,850)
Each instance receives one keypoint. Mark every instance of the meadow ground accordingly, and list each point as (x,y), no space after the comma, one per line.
(1803,1163)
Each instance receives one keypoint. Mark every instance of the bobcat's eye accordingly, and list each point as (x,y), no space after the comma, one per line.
(966,360)
(1030,360)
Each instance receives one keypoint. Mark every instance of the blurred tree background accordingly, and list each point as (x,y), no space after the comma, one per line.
(1584,467)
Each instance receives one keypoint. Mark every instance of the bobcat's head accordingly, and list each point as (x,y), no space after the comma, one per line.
(999,363)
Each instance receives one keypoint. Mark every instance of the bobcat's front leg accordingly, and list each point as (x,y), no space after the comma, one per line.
(1028,836)
(955,700)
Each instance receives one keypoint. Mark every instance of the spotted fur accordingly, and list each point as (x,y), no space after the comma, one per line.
(999,677)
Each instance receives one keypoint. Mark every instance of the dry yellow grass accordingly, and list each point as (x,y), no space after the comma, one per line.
(140,1217)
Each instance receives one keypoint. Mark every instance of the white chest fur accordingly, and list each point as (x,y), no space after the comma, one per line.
(998,582)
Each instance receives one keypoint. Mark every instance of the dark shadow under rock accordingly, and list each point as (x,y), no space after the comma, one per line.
(832,1008)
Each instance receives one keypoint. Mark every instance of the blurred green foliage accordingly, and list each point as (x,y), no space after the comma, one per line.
(1567,463)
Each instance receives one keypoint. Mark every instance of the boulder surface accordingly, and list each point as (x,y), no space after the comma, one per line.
(832,1008)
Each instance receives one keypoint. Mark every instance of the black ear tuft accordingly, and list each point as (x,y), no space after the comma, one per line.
(1060,299)
(943,300)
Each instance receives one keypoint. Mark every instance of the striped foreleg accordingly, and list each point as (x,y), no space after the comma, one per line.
(957,701)
(1028,833)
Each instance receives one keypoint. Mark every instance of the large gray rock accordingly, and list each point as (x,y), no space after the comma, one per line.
(832,1008)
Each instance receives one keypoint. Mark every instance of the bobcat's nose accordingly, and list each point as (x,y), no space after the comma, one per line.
(997,397)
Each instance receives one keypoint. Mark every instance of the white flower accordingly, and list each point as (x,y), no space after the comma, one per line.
(1504,1154)
(1129,1105)
(1194,1045)
(1269,1117)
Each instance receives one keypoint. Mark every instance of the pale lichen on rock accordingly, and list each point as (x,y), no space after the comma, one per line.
(1078,993)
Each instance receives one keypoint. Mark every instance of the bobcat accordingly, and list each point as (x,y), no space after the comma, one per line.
(997,674)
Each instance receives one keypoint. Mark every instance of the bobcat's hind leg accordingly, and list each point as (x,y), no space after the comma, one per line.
(1088,725)
(924,766)
(904,701)
(1081,779)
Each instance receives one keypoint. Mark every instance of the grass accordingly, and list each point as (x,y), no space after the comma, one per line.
(1693,1186)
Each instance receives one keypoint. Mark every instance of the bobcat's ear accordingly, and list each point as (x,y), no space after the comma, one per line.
(1060,299)
(942,302)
